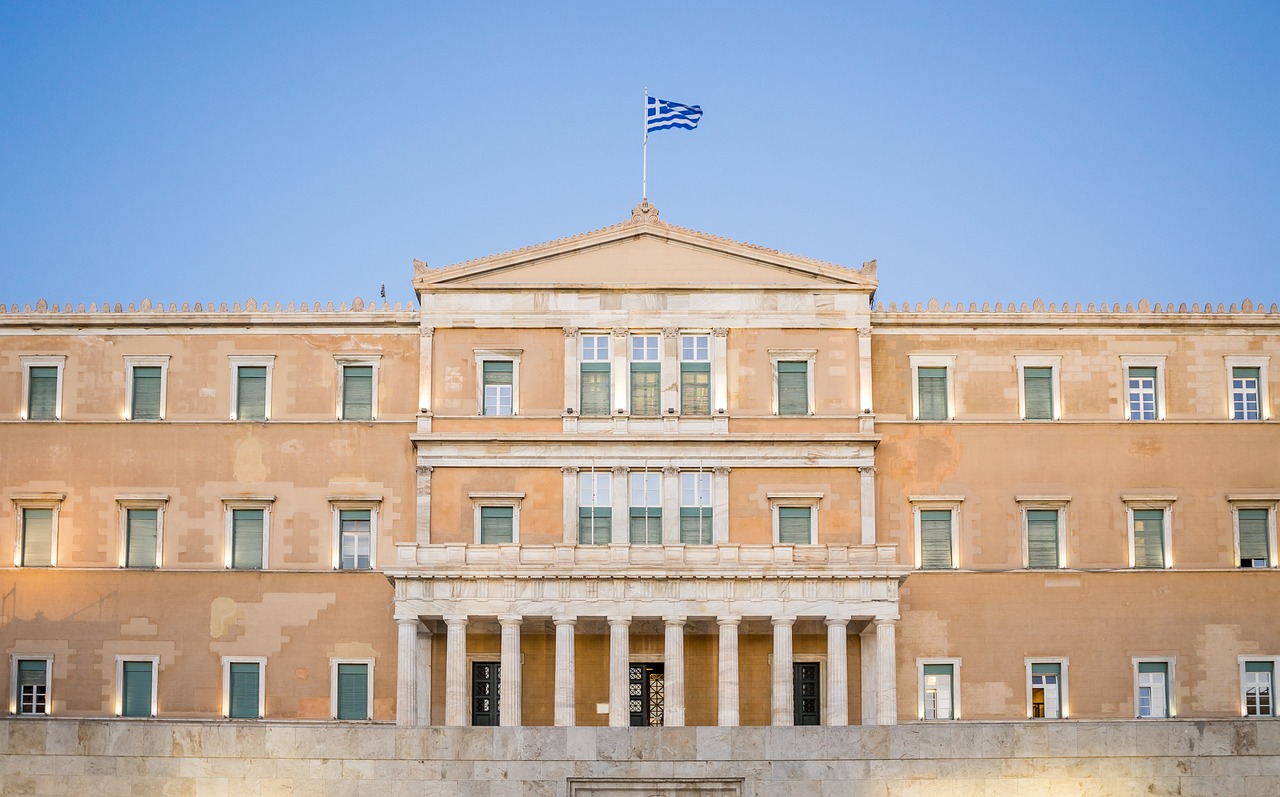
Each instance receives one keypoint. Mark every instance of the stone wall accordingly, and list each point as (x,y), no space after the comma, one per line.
(105,758)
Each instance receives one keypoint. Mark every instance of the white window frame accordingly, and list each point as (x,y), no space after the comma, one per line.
(1050,361)
(1061,661)
(132,361)
(227,661)
(229,505)
(1170,687)
(24,501)
(711,371)
(340,362)
(1268,501)
(333,687)
(920,503)
(480,500)
(1165,502)
(1155,361)
(337,503)
(809,356)
(1261,362)
(512,356)
(30,361)
(253,361)
(1057,503)
(955,688)
(124,503)
(154,661)
(947,361)
(14,697)
(807,500)
(1274,661)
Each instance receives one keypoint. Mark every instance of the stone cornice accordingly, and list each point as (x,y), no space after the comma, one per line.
(1038,313)
(251,313)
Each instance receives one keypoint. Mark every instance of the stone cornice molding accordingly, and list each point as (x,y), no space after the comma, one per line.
(933,313)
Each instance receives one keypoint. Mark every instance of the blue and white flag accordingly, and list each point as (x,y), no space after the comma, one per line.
(665,114)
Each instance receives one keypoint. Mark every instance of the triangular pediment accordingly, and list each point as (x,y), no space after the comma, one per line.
(644,252)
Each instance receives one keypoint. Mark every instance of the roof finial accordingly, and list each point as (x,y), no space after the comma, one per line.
(644,213)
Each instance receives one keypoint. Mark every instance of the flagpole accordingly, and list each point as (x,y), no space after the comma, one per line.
(644,168)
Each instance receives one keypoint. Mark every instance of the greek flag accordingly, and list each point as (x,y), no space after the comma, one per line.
(665,114)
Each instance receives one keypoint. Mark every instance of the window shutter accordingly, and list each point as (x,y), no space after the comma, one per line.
(357,392)
(793,387)
(645,389)
(42,395)
(1037,388)
(246,539)
(933,393)
(695,525)
(1046,669)
(31,672)
(37,537)
(353,691)
(794,526)
(497,524)
(142,525)
(136,700)
(935,539)
(595,389)
(695,388)
(251,392)
(146,393)
(595,525)
(498,372)
(1253,536)
(1148,538)
(1042,538)
(646,525)
(244,689)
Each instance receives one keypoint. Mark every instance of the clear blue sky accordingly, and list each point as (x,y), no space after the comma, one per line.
(1079,151)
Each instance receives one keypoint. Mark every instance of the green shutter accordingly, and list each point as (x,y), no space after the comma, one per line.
(244,690)
(1153,666)
(357,392)
(246,538)
(37,537)
(42,393)
(497,372)
(595,389)
(1042,537)
(1148,538)
(1037,390)
(142,530)
(1236,373)
(595,525)
(353,691)
(935,539)
(794,525)
(695,388)
(646,525)
(695,525)
(1254,542)
(1250,666)
(136,685)
(32,672)
(793,387)
(251,392)
(646,389)
(145,401)
(1046,669)
(497,524)
(932,383)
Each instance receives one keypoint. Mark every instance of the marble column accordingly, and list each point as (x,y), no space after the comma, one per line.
(727,715)
(423,505)
(783,685)
(455,670)
(425,644)
(565,696)
(867,501)
(673,672)
(407,672)
(837,671)
(886,672)
(509,681)
(619,672)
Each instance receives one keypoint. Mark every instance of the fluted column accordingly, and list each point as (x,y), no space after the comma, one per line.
(425,644)
(619,671)
(673,672)
(509,687)
(728,686)
(837,671)
(565,697)
(455,671)
(886,672)
(783,686)
(407,672)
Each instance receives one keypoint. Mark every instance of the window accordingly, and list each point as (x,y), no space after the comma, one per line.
(938,693)
(595,514)
(243,682)
(1144,387)
(247,523)
(1038,379)
(42,386)
(1149,530)
(1248,388)
(1257,695)
(932,391)
(251,387)
(145,387)
(358,387)
(1254,519)
(936,521)
(793,380)
(496,517)
(646,379)
(807,703)
(795,518)
(137,681)
(498,377)
(695,375)
(695,509)
(37,541)
(485,678)
(1152,687)
(646,508)
(1042,518)
(1046,688)
(351,697)
(142,527)
(30,688)
(595,386)
(355,539)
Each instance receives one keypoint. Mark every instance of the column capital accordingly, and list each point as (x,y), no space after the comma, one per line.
(883,621)
(569,470)
(618,620)
(621,332)
(427,332)
(836,621)
(720,332)
(564,619)
(782,621)
(423,470)
(670,470)
(454,620)
(864,332)
(867,470)
(507,620)
(670,332)
(570,333)
(674,621)
(721,470)
(408,620)
(733,620)
(620,470)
